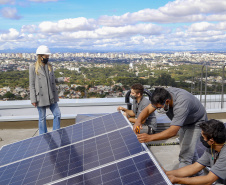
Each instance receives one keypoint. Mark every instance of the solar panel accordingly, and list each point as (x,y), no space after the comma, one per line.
(84,117)
(61,137)
(102,150)
(136,170)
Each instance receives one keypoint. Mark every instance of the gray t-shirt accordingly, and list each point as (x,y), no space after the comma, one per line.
(219,167)
(137,109)
(187,109)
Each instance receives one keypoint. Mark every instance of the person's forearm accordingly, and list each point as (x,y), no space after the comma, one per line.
(168,133)
(186,171)
(129,112)
(143,115)
(132,120)
(199,180)
(59,79)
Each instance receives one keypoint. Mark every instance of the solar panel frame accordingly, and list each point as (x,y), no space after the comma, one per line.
(59,150)
(136,170)
(72,159)
(146,151)
(38,144)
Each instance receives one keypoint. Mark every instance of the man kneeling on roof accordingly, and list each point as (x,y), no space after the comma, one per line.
(139,104)
(213,138)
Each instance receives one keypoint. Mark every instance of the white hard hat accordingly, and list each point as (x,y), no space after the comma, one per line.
(43,50)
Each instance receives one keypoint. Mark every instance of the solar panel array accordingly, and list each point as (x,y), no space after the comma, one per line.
(103,150)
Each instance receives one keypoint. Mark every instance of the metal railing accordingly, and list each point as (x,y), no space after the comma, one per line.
(205,84)
(217,100)
(222,92)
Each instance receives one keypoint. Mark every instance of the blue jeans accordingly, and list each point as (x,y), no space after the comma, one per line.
(42,118)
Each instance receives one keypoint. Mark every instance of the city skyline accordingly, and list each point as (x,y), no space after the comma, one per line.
(128,25)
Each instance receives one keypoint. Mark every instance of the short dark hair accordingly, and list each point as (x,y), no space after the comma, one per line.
(214,129)
(138,88)
(159,96)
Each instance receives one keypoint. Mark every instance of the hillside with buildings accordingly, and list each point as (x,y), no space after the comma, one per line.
(112,74)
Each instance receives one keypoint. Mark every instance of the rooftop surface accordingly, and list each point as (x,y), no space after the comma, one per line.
(167,156)
(22,111)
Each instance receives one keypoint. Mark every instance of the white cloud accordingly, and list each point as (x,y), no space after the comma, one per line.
(10,13)
(191,7)
(64,25)
(43,1)
(191,40)
(7,1)
(178,11)
(115,20)
(221,26)
(202,26)
(137,39)
(216,17)
(29,29)
(132,30)
(147,15)
(104,41)
(8,45)
(146,29)
(138,36)
(207,27)
(11,36)
(116,32)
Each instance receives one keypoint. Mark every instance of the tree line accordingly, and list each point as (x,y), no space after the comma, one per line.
(121,73)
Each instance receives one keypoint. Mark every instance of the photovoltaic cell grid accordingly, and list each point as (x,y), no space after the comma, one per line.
(84,117)
(73,159)
(87,160)
(138,170)
(61,137)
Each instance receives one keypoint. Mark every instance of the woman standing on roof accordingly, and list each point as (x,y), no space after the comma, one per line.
(43,92)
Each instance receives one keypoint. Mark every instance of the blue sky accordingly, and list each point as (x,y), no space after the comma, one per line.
(119,25)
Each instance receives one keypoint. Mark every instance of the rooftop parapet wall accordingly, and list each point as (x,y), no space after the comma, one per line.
(22,110)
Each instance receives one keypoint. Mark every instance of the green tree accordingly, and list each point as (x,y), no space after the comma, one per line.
(165,80)
(117,88)
(66,93)
(80,88)
(9,95)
